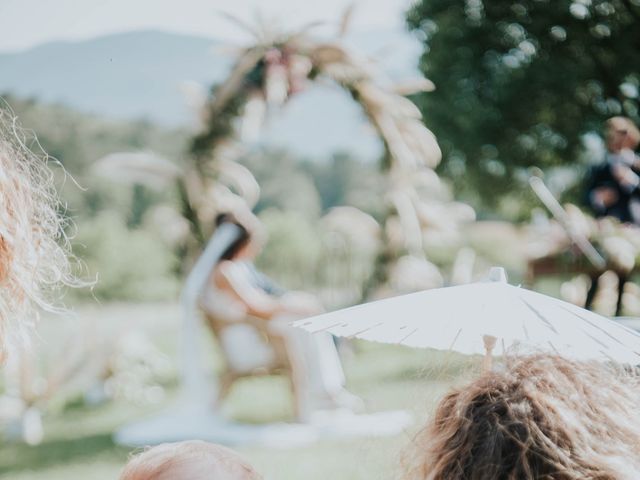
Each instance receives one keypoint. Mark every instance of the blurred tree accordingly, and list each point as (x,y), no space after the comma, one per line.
(344,180)
(111,235)
(129,264)
(293,248)
(284,183)
(310,187)
(520,82)
(77,140)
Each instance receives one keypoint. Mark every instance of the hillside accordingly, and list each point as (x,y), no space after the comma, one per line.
(138,75)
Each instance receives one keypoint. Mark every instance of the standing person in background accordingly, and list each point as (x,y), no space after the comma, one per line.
(34,251)
(614,186)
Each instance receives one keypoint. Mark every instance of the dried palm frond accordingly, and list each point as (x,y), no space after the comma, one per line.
(435,239)
(339,64)
(421,141)
(373,97)
(253,117)
(399,150)
(170,225)
(343,73)
(379,98)
(353,223)
(404,108)
(236,79)
(580,223)
(462,270)
(301,34)
(429,185)
(276,85)
(270,29)
(241,179)
(326,54)
(433,215)
(410,222)
(195,96)
(413,274)
(230,151)
(228,50)
(394,233)
(345,20)
(461,212)
(413,86)
(238,22)
(620,253)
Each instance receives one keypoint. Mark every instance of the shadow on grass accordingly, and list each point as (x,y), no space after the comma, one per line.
(392,364)
(20,457)
(435,371)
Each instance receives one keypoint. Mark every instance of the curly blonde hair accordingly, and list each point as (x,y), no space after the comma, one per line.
(34,250)
(541,418)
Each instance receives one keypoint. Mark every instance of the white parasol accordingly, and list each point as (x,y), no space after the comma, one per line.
(487,318)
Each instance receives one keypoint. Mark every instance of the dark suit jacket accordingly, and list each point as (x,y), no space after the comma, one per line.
(602,176)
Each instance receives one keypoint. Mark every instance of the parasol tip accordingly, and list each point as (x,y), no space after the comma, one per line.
(497,274)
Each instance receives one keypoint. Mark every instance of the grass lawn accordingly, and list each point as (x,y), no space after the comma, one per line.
(78,443)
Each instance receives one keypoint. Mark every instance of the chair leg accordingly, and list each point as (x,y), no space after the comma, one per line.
(593,290)
(529,277)
(295,394)
(226,381)
(622,280)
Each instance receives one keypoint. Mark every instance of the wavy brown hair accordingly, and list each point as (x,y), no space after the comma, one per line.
(540,418)
(34,250)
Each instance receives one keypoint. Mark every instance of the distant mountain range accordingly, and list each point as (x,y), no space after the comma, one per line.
(139,75)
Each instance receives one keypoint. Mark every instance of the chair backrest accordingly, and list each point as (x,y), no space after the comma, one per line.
(271,348)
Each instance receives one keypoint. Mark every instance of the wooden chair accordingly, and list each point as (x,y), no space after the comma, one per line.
(282,363)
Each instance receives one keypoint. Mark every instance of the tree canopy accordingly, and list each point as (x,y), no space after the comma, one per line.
(518,83)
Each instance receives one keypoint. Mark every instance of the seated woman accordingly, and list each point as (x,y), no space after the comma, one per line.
(237,290)
(542,417)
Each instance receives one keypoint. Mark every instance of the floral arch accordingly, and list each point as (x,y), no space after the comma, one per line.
(278,66)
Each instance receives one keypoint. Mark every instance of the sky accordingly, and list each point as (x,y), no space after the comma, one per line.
(27,23)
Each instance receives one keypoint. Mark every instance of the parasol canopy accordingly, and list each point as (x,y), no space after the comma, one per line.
(484,317)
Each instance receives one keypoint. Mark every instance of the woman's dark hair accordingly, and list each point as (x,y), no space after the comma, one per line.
(239,243)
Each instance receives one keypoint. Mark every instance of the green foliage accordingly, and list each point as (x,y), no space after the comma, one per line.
(130,261)
(284,184)
(293,248)
(130,264)
(78,139)
(314,187)
(344,180)
(219,127)
(520,82)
